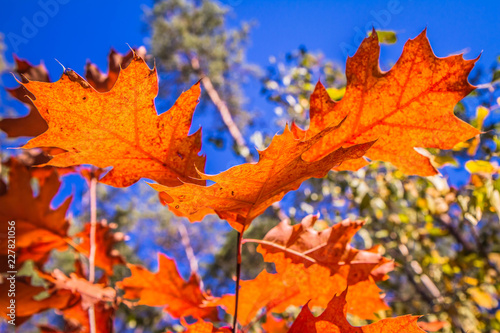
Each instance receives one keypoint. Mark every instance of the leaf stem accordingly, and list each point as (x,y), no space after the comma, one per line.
(93,245)
(238,274)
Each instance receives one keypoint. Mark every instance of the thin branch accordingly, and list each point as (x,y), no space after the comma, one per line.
(186,242)
(422,288)
(223,110)
(479,245)
(93,245)
(447,222)
(238,274)
(489,86)
(478,248)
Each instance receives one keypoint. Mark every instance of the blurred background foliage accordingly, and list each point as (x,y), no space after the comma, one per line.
(443,232)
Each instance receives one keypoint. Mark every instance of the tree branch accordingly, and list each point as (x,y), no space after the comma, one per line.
(223,110)
(186,242)
(238,275)
(93,245)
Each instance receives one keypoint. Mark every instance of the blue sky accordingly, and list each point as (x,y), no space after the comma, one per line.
(81,30)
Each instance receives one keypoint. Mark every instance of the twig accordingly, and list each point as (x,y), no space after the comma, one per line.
(479,246)
(93,245)
(186,242)
(237,288)
(223,110)
(446,221)
(489,86)
(422,288)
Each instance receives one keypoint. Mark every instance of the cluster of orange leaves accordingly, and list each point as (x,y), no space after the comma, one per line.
(110,121)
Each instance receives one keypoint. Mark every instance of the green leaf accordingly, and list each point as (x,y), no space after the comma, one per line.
(386,36)
(480,167)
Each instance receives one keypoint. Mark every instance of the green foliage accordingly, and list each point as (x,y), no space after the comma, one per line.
(386,37)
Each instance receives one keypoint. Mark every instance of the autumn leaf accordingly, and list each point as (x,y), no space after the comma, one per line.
(120,128)
(71,295)
(329,248)
(409,106)
(39,229)
(32,124)
(294,284)
(333,320)
(106,256)
(312,265)
(245,191)
(167,288)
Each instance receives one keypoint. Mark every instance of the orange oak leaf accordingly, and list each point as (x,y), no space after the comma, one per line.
(106,256)
(409,106)
(333,320)
(294,284)
(329,248)
(120,128)
(364,299)
(38,228)
(167,288)
(245,191)
(32,124)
